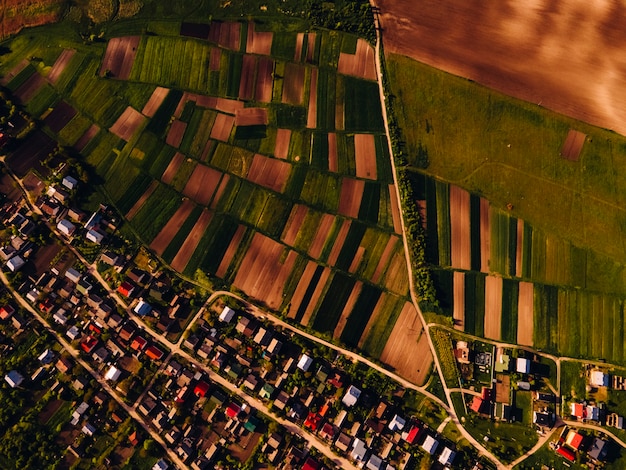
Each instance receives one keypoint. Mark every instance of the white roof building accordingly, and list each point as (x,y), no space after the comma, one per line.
(94,236)
(113,374)
(447,457)
(359,449)
(73,332)
(305,362)
(66,227)
(69,182)
(351,396)
(523,365)
(89,429)
(597,378)
(72,275)
(46,357)
(15,263)
(430,445)
(14,378)
(227,314)
(397,423)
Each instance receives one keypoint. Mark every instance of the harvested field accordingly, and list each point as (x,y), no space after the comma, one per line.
(214,60)
(176,133)
(190,244)
(60,116)
(519,248)
(262,274)
(202,184)
(165,236)
(332,152)
(460,228)
(541,53)
(395,209)
(220,190)
(300,292)
(365,155)
(14,72)
(384,258)
(127,123)
(321,235)
(493,307)
(226,105)
(229,34)
(141,201)
(407,349)
(293,84)
(292,227)
(251,117)
(283,139)
(30,153)
(573,145)
(29,88)
(458,300)
(258,42)
(82,142)
(310,50)
(222,127)
(347,309)
(525,310)
(351,195)
(315,298)
(172,168)
(297,55)
(59,65)
(230,251)
(356,261)
(194,30)
(311,121)
(246,83)
(119,57)
(155,101)
(361,64)
(264,80)
(269,172)
(485,235)
(339,241)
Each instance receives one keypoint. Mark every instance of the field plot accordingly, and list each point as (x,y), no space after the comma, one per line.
(251,117)
(222,127)
(226,34)
(311,120)
(407,349)
(269,172)
(485,235)
(246,84)
(172,168)
(264,80)
(395,209)
(258,42)
(155,101)
(140,202)
(365,154)
(347,310)
(519,252)
(460,228)
(176,133)
(165,236)
(202,184)
(458,300)
(215,58)
(293,86)
(573,145)
(229,254)
(283,139)
(304,290)
(30,153)
(190,244)
(60,64)
(20,68)
(128,122)
(119,57)
(361,64)
(525,314)
(351,195)
(265,269)
(194,30)
(27,90)
(493,307)
(60,116)
(322,233)
(296,218)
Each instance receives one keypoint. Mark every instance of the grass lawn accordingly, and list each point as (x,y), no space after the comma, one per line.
(506,440)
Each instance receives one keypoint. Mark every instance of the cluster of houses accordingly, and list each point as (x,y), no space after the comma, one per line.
(573,445)
(316,407)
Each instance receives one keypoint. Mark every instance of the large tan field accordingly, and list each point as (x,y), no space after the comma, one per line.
(565,55)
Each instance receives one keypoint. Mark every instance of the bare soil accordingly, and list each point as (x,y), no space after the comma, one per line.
(59,65)
(191,242)
(333,164)
(293,84)
(283,138)
(311,121)
(347,310)
(259,42)
(202,184)
(222,127)
(485,235)
(315,298)
(292,227)
(458,310)
(303,285)
(460,228)
(155,101)
(246,82)
(573,145)
(264,80)
(384,258)
(165,236)
(269,172)
(176,133)
(563,55)
(525,314)
(361,64)
(365,156)
(251,117)
(339,241)
(395,209)
(172,168)
(407,349)
(60,116)
(350,197)
(84,139)
(230,251)
(119,57)
(141,201)
(220,190)
(214,61)
(29,88)
(493,307)
(323,230)
(128,122)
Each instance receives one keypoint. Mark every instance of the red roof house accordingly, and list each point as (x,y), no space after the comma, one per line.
(89,344)
(233,410)
(311,464)
(126,289)
(154,353)
(46,305)
(312,421)
(574,439)
(6,311)
(578,410)
(413,434)
(477,402)
(138,343)
(565,452)
(201,389)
